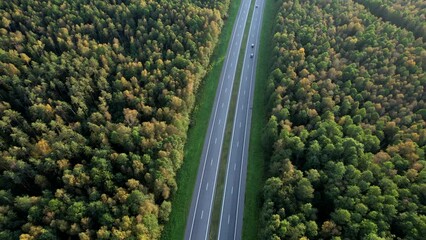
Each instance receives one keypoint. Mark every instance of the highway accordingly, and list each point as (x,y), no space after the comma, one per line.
(231,218)
(198,221)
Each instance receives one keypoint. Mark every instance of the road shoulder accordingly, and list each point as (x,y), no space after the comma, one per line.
(257,154)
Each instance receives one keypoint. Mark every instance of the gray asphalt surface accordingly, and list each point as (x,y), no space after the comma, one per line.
(198,221)
(231,219)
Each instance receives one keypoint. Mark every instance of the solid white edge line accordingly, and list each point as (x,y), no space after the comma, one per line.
(211,130)
(246,127)
(217,165)
(226,179)
(232,141)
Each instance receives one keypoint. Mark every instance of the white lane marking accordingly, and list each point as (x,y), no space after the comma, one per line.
(207,187)
(211,162)
(235,166)
(246,78)
(215,140)
(208,220)
(226,90)
(238,144)
(219,121)
(242,107)
(222,210)
(202,214)
(242,164)
(232,190)
(229,77)
(244,92)
(222,105)
(232,64)
(240,124)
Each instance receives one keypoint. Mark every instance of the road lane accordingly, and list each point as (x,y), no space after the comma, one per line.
(230,226)
(198,221)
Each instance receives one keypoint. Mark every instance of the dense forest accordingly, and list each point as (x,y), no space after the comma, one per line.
(95,98)
(346,124)
(410,14)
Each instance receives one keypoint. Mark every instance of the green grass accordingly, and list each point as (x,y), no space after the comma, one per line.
(220,185)
(257,155)
(174,229)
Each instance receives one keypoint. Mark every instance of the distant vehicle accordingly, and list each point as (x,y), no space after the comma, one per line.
(252,45)
(257,6)
(251,55)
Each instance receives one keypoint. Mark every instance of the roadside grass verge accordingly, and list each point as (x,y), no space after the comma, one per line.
(257,155)
(174,229)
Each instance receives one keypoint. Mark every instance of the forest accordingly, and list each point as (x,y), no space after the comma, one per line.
(403,13)
(95,101)
(346,123)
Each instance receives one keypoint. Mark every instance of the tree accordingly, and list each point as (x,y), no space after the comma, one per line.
(346,102)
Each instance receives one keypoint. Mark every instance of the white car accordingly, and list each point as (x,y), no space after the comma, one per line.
(251,55)
(252,45)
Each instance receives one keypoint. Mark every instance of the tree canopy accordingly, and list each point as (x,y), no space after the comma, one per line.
(95,98)
(346,126)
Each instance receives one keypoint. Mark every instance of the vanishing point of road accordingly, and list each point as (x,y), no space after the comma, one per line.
(198,222)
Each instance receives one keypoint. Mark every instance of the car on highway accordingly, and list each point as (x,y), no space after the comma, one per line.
(252,45)
(251,55)
(257,6)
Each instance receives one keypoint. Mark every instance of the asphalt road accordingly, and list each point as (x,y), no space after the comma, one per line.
(231,219)
(198,221)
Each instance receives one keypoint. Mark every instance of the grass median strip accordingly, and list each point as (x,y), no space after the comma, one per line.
(257,155)
(174,229)
(218,197)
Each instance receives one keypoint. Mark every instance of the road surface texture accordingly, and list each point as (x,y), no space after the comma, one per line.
(231,218)
(198,221)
